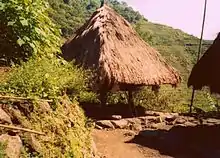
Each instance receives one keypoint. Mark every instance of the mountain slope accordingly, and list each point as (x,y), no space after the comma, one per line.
(172,43)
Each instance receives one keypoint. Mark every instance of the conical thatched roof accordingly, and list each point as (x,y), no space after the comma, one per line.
(108,43)
(207,71)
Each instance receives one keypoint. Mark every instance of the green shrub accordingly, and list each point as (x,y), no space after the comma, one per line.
(152,101)
(45,78)
(117,97)
(66,129)
(25,30)
(2,150)
(174,99)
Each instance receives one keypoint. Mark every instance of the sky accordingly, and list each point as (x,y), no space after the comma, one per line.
(186,15)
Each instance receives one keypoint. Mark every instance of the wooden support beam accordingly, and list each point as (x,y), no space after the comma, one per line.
(131,103)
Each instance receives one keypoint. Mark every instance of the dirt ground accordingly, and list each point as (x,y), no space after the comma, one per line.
(113,144)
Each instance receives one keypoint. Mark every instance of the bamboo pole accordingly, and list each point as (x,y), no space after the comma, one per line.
(199,52)
(21,98)
(21,129)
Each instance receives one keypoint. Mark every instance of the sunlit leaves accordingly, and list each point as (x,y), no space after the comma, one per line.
(20,42)
(25,22)
(11,23)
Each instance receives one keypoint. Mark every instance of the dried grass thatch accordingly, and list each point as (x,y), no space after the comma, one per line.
(205,72)
(108,43)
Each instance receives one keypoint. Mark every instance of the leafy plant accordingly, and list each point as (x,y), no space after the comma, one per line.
(46,78)
(26,30)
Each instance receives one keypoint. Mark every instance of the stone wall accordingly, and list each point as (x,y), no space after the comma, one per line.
(153,120)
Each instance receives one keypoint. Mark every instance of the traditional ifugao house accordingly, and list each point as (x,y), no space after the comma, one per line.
(205,72)
(109,44)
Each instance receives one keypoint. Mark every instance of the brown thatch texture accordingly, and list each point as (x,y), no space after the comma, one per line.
(108,43)
(205,72)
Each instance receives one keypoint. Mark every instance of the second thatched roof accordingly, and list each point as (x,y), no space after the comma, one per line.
(108,43)
(207,71)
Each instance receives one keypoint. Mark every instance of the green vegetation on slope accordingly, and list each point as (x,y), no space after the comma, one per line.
(174,46)
(69,15)
(32,40)
(2,150)
(26,30)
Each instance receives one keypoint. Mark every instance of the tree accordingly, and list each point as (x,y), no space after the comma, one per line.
(26,30)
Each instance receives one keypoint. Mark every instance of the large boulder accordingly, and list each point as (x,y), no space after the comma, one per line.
(214,121)
(116,117)
(120,123)
(13,145)
(180,120)
(44,107)
(154,119)
(190,124)
(105,124)
(136,123)
(160,126)
(152,113)
(33,142)
(170,118)
(4,117)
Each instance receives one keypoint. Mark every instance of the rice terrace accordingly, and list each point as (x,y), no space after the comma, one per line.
(109,79)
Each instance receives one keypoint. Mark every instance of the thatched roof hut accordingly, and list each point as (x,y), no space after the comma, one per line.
(205,72)
(108,43)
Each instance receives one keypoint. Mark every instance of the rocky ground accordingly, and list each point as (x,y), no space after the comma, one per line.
(159,135)
(12,135)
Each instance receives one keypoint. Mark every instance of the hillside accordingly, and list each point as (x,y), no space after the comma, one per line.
(172,44)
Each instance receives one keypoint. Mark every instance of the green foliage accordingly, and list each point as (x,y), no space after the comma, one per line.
(45,78)
(28,34)
(180,50)
(70,15)
(151,100)
(127,12)
(26,30)
(118,97)
(172,44)
(88,97)
(66,128)
(2,150)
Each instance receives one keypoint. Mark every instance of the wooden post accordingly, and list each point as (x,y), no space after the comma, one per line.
(131,103)
(103,97)
(199,52)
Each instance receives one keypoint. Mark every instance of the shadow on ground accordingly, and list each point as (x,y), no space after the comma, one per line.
(97,112)
(183,142)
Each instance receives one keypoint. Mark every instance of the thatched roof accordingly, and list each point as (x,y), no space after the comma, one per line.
(108,43)
(206,72)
